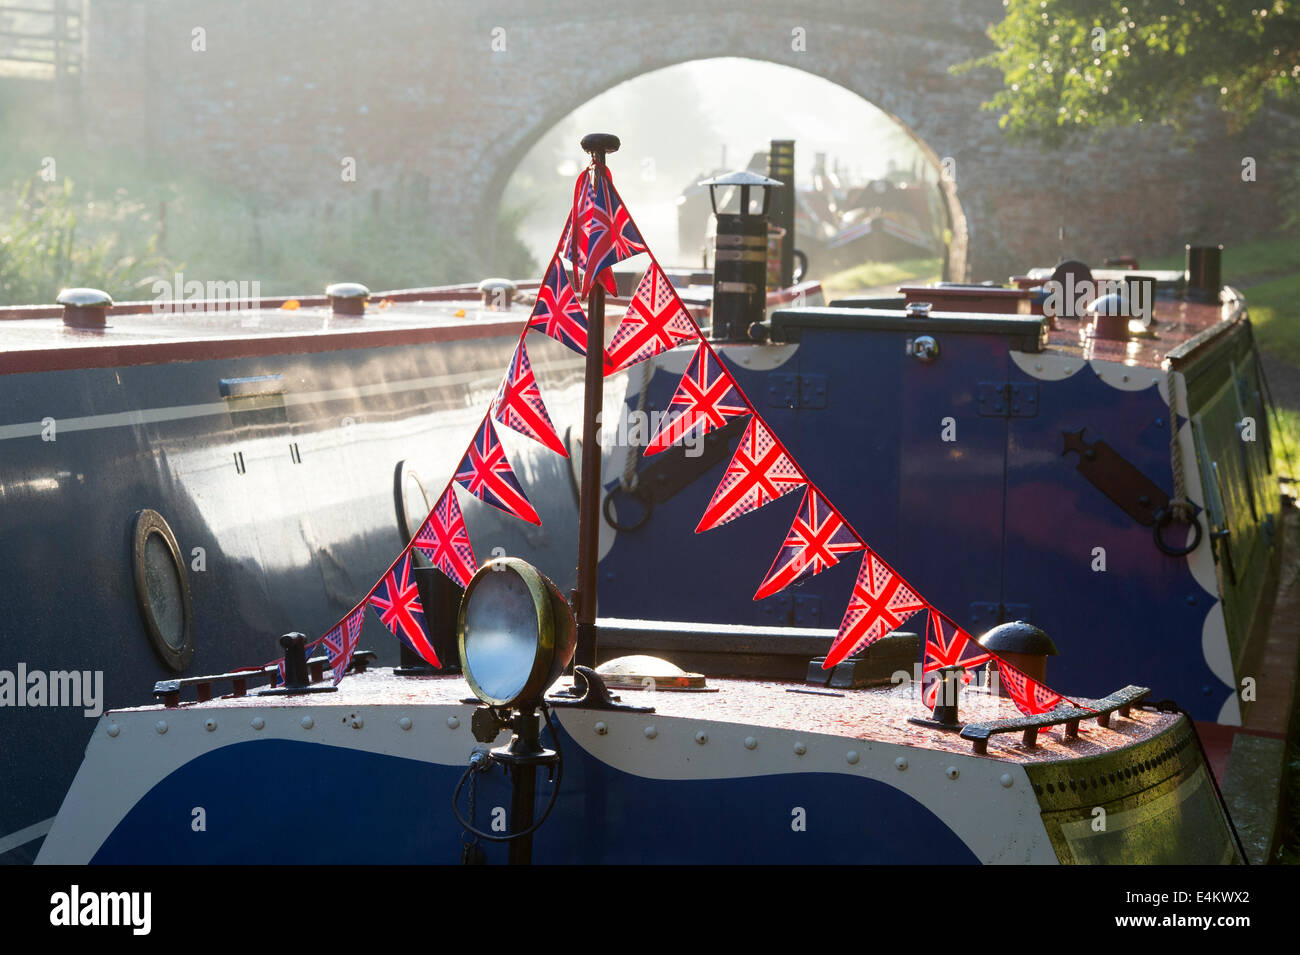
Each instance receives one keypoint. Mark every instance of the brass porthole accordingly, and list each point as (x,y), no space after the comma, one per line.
(162,590)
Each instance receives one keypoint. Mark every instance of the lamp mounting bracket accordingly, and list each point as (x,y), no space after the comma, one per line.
(595,694)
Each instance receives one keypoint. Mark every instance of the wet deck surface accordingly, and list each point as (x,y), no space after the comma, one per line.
(867,714)
(34,339)
(1175,322)
(141,327)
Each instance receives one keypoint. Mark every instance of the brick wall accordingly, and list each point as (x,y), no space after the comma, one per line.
(414,92)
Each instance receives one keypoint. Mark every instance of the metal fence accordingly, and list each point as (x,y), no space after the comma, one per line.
(42,39)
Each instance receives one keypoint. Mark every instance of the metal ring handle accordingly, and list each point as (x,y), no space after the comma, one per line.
(641,494)
(799,273)
(1165,517)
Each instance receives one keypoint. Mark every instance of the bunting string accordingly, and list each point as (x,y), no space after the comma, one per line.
(599,233)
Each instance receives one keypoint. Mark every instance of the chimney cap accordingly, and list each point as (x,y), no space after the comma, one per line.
(497,293)
(492,284)
(742,177)
(348,298)
(84,298)
(347,290)
(1018,636)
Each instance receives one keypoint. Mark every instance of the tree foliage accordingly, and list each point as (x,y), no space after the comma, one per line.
(1071,65)
(53,240)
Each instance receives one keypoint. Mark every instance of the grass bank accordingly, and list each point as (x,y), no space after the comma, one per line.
(882,275)
(117,220)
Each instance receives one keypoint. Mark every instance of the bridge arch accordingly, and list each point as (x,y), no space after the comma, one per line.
(954,223)
(452,94)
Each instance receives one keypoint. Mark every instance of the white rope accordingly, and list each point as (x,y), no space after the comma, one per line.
(1179,506)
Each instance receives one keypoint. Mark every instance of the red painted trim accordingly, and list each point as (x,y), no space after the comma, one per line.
(156,353)
(442,293)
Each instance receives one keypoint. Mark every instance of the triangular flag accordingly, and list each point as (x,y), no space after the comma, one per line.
(707,396)
(881,601)
(947,644)
(815,541)
(518,403)
(611,234)
(444,540)
(1030,696)
(654,322)
(397,602)
(557,312)
(486,473)
(573,243)
(760,471)
(341,642)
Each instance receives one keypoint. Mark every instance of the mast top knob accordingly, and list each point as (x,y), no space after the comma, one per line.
(600,143)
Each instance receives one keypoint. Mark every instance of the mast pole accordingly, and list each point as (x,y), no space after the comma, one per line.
(597,144)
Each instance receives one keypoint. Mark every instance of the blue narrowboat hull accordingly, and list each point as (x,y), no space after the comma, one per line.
(285,506)
(366,778)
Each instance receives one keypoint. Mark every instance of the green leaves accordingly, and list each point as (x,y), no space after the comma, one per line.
(1073,65)
(52,240)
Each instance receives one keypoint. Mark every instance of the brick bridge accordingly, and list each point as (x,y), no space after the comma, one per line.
(451,94)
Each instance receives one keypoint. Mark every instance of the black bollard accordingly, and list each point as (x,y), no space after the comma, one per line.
(296,678)
(945,703)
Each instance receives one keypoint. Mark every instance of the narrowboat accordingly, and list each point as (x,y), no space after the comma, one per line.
(180,492)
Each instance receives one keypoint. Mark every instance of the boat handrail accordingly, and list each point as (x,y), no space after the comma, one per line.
(169,691)
(1121,702)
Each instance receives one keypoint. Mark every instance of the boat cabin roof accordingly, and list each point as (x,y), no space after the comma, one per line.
(1181,325)
(868,714)
(35,338)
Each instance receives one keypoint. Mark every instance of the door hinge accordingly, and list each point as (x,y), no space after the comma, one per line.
(796,391)
(1005,399)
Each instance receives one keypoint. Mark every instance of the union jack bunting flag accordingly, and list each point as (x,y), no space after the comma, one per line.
(518,403)
(573,244)
(443,539)
(486,473)
(881,601)
(817,538)
(341,642)
(557,312)
(1030,696)
(611,235)
(946,645)
(760,471)
(706,398)
(655,322)
(397,601)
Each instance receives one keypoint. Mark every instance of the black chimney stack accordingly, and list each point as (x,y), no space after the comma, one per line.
(780,166)
(739,253)
(1203,272)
